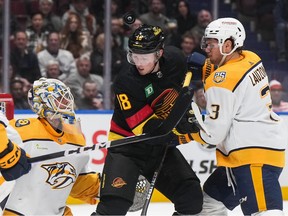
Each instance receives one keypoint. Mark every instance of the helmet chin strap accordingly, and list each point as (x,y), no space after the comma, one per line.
(222,60)
(155,64)
(224,55)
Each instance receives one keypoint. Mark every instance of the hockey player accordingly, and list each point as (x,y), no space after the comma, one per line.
(13,160)
(45,189)
(250,138)
(144,95)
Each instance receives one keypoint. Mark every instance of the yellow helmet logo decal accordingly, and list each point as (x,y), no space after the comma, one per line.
(156,30)
(139,37)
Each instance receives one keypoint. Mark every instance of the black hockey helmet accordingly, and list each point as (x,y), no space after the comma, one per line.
(146,39)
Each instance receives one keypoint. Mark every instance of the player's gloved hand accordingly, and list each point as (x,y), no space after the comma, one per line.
(186,124)
(153,125)
(180,139)
(13,162)
(200,66)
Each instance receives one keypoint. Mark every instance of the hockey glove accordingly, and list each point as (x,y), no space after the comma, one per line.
(199,66)
(180,139)
(151,126)
(13,162)
(186,124)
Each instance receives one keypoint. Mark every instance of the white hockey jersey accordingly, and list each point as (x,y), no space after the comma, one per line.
(44,190)
(6,187)
(239,115)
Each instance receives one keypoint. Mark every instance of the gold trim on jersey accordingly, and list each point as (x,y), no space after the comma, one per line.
(241,157)
(40,129)
(256,174)
(229,76)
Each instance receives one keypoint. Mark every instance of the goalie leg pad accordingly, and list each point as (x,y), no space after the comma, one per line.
(120,176)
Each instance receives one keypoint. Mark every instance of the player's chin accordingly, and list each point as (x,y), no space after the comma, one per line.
(142,71)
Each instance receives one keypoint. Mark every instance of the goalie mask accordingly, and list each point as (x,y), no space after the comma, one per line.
(51,99)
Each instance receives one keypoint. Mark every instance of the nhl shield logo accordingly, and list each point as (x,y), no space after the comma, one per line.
(219,77)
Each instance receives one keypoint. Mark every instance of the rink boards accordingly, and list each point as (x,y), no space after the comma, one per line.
(96,123)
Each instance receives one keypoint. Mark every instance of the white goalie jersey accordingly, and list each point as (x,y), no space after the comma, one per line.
(45,189)
(6,187)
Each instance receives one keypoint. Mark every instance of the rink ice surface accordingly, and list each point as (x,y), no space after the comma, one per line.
(155,209)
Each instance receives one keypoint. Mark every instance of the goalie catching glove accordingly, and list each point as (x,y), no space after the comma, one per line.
(13,160)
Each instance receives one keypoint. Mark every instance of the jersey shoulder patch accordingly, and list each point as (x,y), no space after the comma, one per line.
(22,122)
(219,77)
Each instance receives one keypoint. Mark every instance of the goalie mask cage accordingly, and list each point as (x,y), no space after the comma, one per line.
(7,105)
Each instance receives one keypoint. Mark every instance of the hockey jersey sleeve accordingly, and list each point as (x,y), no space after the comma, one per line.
(13,160)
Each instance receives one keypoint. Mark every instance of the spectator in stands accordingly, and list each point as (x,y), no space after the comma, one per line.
(204,17)
(188,44)
(281,28)
(199,98)
(76,81)
(97,57)
(156,17)
(14,25)
(92,98)
(117,8)
(53,52)
(52,22)
(19,95)
(185,19)
(74,38)
(81,8)
(117,31)
(37,34)
(23,61)
(53,70)
(276,89)
(129,31)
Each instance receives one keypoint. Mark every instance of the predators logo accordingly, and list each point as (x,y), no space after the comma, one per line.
(219,77)
(61,175)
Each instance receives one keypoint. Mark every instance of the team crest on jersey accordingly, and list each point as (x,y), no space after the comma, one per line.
(118,182)
(60,175)
(22,122)
(219,77)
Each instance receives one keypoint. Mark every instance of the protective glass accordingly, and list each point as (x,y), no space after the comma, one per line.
(142,59)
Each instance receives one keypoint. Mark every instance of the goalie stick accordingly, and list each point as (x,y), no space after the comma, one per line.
(177,112)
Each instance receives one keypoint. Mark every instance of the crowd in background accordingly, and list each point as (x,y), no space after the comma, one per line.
(64,39)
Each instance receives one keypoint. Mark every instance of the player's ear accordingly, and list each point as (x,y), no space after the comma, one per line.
(228,46)
(159,53)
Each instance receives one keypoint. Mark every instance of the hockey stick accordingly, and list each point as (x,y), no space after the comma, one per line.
(198,121)
(177,112)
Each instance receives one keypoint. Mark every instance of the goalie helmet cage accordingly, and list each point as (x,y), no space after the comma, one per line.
(7,105)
